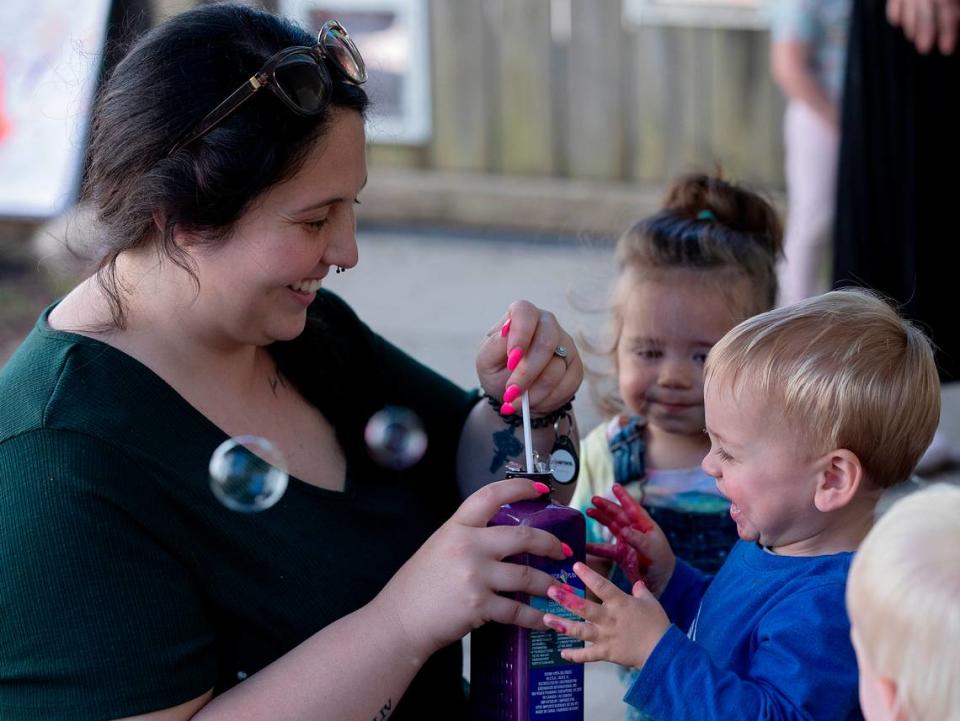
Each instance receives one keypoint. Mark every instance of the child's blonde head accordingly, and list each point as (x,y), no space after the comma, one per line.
(903,596)
(843,369)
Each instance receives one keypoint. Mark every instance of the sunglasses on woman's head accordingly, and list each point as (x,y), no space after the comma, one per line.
(297,75)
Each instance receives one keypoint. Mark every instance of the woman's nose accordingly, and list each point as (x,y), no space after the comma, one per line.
(342,249)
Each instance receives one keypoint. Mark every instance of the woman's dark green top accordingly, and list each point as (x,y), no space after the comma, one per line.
(126,587)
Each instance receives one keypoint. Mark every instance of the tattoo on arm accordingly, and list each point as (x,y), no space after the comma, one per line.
(505,445)
(384,711)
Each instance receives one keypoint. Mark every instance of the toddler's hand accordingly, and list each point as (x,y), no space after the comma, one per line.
(623,629)
(641,548)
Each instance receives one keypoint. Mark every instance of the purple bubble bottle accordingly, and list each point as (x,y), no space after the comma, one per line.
(517,674)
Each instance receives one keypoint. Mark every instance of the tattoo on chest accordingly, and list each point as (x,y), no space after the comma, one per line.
(384,711)
(275,382)
(505,445)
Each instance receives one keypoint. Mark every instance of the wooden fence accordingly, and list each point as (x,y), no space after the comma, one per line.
(599,100)
(605,102)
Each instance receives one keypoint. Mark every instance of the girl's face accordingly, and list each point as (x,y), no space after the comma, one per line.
(668,326)
(256,285)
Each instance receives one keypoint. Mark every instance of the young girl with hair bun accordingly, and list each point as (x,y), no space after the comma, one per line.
(685,276)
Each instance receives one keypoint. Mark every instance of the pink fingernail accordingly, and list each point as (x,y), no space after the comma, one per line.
(513,358)
(512,393)
(567,551)
(541,487)
(506,328)
(507,410)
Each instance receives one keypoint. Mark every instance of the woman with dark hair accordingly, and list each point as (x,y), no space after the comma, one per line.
(226,156)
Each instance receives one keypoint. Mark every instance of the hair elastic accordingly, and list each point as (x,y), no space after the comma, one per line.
(706,215)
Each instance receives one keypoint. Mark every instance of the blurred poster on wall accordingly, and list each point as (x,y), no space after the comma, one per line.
(394,37)
(50,54)
(698,13)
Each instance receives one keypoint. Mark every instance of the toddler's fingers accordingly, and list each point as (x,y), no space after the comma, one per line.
(638,542)
(603,550)
(641,592)
(603,519)
(573,601)
(611,511)
(639,518)
(573,629)
(582,655)
(601,587)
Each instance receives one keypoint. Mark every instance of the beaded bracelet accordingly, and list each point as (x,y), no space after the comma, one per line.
(541,422)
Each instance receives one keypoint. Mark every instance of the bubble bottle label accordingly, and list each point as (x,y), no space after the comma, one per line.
(518,674)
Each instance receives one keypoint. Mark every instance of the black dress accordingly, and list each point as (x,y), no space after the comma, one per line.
(898,207)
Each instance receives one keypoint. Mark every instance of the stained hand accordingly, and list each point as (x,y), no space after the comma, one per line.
(621,628)
(640,549)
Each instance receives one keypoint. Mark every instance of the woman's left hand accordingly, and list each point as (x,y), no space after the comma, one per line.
(528,351)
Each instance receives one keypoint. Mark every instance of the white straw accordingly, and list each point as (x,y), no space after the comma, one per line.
(527,433)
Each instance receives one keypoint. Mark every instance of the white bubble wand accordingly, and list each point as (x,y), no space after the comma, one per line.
(527,432)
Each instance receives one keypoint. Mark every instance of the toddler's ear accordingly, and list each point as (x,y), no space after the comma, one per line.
(886,690)
(839,480)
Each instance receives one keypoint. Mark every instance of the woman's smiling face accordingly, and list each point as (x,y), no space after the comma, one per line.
(258,282)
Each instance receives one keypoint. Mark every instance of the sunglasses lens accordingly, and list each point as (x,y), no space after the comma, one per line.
(303,81)
(339,48)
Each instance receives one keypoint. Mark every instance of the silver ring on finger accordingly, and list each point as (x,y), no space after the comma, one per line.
(563,354)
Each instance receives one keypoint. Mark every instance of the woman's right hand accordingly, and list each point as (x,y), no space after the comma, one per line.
(450,586)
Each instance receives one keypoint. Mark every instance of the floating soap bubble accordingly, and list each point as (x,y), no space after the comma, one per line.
(248,474)
(395,437)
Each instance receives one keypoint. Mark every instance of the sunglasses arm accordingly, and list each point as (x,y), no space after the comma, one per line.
(220,113)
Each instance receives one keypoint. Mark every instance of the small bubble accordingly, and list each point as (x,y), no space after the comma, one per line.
(395,437)
(248,474)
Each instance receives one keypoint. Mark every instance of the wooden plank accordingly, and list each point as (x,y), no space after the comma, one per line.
(731,107)
(701,81)
(397,156)
(594,106)
(649,132)
(163,9)
(461,134)
(525,112)
(768,121)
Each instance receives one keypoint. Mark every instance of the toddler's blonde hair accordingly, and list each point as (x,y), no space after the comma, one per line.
(846,371)
(903,594)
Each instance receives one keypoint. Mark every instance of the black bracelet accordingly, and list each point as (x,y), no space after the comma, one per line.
(516,419)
